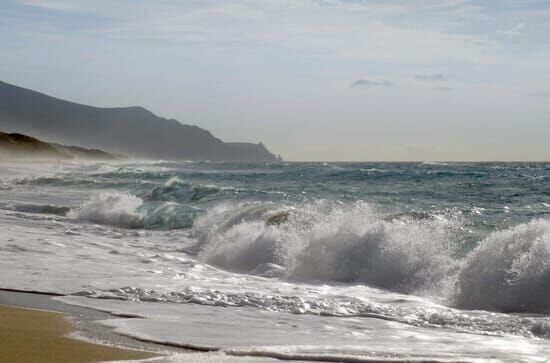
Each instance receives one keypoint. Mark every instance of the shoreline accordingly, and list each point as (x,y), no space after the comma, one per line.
(89,340)
(34,325)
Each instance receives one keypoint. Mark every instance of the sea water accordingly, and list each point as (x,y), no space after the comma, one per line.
(333,261)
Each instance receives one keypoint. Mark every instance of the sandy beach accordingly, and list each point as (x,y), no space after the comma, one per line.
(30,334)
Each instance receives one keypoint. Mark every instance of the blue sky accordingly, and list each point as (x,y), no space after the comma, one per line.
(312,79)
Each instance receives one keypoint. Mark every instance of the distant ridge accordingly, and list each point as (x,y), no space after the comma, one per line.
(18,146)
(133,131)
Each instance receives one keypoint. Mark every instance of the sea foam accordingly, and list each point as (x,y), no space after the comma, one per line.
(115,209)
(128,211)
(329,241)
(508,271)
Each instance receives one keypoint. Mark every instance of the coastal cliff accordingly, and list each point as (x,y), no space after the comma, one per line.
(133,131)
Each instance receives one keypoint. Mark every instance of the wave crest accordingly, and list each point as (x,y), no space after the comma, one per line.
(176,189)
(508,271)
(115,209)
(128,211)
(330,241)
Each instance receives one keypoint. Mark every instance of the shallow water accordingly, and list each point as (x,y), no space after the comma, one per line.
(364,255)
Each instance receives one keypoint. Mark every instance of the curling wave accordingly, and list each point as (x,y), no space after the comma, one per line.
(180,191)
(325,241)
(508,271)
(334,242)
(128,211)
(115,209)
(329,241)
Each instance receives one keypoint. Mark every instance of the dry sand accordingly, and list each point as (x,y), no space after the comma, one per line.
(40,336)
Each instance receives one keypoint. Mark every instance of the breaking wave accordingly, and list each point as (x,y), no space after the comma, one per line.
(180,191)
(509,271)
(115,209)
(325,241)
(128,211)
(328,241)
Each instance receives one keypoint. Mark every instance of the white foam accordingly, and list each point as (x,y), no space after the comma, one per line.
(305,288)
(110,208)
(250,332)
(509,271)
(333,242)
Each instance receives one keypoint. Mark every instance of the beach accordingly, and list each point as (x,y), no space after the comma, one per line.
(33,335)
(247,261)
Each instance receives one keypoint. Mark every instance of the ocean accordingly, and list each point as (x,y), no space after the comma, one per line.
(307,261)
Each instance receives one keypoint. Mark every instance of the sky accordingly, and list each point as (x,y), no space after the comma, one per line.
(331,80)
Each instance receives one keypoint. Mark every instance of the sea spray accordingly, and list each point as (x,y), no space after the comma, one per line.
(329,241)
(508,271)
(128,211)
(180,191)
(115,209)
(414,240)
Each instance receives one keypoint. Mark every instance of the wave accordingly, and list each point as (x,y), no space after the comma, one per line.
(508,271)
(478,322)
(176,189)
(329,241)
(116,209)
(57,181)
(36,208)
(128,211)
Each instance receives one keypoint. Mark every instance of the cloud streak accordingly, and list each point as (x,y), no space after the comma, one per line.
(430,77)
(319,28)
(540,94)
(367,83)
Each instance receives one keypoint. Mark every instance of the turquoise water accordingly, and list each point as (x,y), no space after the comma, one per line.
(476,235)
(488,196)
(425,261)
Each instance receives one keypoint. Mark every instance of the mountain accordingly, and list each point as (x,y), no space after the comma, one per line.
(19,146)
(133,131)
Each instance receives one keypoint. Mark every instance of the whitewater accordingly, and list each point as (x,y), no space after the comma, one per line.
(306,261)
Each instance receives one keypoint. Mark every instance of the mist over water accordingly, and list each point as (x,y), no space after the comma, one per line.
(414,243)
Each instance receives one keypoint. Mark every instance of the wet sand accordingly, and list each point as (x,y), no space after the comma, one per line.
(28,335)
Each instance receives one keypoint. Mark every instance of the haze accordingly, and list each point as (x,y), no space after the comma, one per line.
(313,80)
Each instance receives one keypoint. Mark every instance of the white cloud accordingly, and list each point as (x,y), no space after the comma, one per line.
(338,29)
(430,77)
(367,83)
(59,5)
(515,31)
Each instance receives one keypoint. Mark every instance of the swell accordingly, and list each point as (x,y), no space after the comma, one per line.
(323,240)
(299,236)
(180,191)
(128,211)
(37,208)
(171,205)
(328,241)
(507,271)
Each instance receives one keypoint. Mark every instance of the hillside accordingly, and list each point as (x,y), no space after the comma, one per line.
(19,146)
(133,131)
